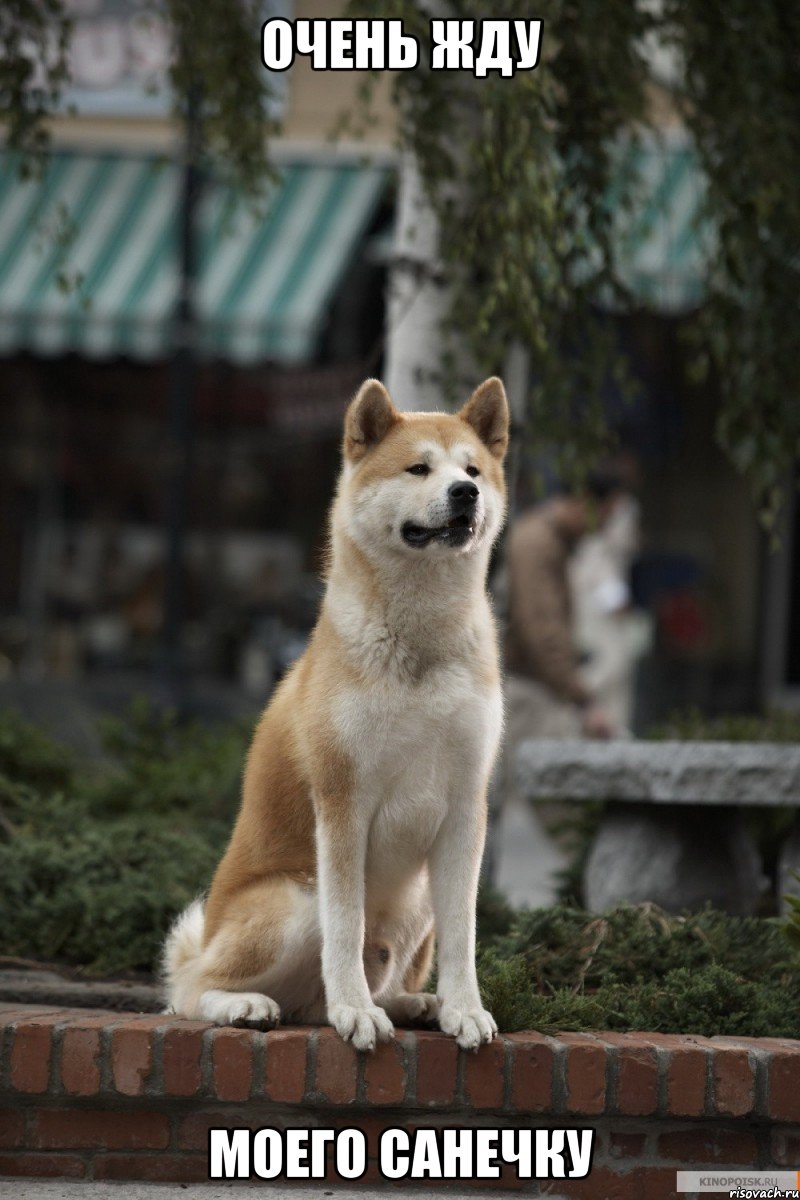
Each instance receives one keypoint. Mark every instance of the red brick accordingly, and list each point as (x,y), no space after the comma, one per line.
(12,1128)
(78,1017)
(182,1050)
(784,1085)
(771,1044)
(132,1056)
(734,1083)
(11,1013)
(31,1054)
(166,1168)
(687,1071)
(80,1061)
(337,1066)
(78,1129)
(709,1147)
(723,1042)
(658,1183)
(286,1065)
(603,1183)
(785,1148)
(42,1166)
(507,1181)
(437,1064)
(626,1145)
(585,1074)
(532,1061)
(671,1041)
(90,1019)
(371,1178)
(637,1074)
(232,1063)
(17,1013)
(371,1126)
(192,1131)
(385,1073)
(483,1075)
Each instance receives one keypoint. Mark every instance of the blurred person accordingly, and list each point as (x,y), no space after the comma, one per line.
(611,634)
(547,695)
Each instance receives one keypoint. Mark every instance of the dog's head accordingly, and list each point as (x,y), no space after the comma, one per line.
(424,484)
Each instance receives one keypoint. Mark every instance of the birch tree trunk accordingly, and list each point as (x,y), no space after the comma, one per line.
(417,300)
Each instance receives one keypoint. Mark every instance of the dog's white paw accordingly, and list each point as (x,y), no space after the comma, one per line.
(413,1006)
(469,1026)
(361,1026)
(239,1008)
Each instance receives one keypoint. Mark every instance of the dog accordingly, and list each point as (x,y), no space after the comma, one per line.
(363,812)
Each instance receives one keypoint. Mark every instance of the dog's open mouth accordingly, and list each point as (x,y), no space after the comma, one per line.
(456,532)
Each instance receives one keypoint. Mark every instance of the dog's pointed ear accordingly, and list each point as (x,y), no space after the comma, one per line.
(487,412)
(369,418)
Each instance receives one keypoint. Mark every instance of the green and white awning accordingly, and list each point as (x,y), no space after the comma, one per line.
(88,252)
(663,246)
(88,257)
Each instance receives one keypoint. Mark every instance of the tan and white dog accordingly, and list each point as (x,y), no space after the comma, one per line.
(364,802)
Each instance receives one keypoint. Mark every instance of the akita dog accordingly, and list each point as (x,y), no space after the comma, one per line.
(363,814)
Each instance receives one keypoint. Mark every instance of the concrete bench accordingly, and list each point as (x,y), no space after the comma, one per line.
(672,832)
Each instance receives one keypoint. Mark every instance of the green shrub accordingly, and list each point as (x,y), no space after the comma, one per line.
(100,894)
(637,968)
(160,765)
(710,1002)
(96,860)
(691,725)
(792,922)
(567,947)
(95,863)
(30,756)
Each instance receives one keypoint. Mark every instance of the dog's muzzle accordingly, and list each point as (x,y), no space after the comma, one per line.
(462,498)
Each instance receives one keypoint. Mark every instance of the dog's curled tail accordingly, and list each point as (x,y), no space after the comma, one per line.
(182,950)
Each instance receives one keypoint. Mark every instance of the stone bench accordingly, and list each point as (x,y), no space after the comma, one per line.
(672,832)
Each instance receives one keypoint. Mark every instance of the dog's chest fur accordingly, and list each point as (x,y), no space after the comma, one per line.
(416,739)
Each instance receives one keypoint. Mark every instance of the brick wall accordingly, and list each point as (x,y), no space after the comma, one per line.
(118,1096)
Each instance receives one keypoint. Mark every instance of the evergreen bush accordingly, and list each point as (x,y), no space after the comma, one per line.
(96,860)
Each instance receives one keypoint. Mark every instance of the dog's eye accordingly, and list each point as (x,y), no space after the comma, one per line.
(419,469)
(472,471)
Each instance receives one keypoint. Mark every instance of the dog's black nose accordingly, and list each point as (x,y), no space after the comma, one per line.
(462,494)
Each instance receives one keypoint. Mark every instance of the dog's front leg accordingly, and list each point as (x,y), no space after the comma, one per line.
(341,856)
(454,866)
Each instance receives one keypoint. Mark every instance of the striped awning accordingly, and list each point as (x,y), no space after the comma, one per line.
(663,245)
(89,257)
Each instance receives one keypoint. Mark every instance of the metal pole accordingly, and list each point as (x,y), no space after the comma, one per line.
(182,380)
